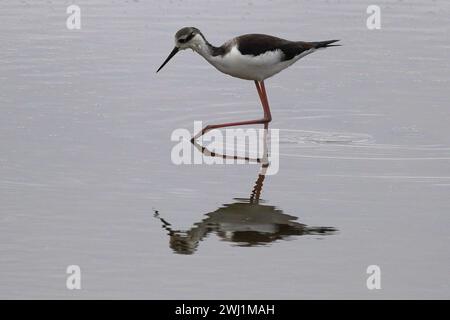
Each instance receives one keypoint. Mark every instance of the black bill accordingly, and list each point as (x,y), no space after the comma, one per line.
(174,52)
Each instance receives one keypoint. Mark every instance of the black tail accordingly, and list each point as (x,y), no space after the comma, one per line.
(325,44)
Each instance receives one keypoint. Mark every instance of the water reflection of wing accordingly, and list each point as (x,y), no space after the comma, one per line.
(249,224)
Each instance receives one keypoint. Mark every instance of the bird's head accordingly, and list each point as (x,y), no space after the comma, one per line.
(188,37)
(185,38)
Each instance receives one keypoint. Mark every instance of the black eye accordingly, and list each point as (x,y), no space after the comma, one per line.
(189,37)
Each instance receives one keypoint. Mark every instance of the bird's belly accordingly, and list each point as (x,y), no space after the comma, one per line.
(251,72)
(250,67)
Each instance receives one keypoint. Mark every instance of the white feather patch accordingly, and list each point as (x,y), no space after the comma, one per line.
(250,67)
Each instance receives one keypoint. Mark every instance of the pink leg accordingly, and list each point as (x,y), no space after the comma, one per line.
(267,117)
(266,106)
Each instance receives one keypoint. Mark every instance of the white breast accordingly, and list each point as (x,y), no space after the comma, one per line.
(250,67)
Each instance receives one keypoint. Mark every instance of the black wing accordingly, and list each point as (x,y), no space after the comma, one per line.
(256,44)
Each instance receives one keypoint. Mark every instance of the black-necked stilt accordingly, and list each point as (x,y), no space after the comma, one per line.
(251,57)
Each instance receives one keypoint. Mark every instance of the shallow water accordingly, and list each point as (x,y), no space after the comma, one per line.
(86,176)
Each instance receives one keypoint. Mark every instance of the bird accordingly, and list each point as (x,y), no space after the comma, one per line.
(255,57)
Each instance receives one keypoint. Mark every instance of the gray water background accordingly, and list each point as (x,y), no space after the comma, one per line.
(85,149)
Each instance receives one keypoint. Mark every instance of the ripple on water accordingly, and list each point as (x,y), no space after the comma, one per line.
(356,146)
(318,137)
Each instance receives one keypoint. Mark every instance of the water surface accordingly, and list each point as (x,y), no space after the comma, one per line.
(86,176)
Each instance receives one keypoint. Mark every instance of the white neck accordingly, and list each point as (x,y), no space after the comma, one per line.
(202,47)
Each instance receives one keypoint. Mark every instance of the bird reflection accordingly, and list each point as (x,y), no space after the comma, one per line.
(247,222)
